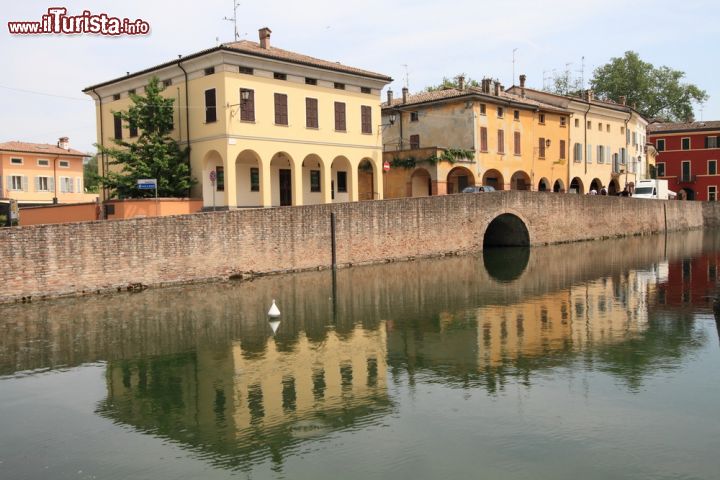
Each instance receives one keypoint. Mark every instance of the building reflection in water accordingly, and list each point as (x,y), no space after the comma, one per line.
(200,365)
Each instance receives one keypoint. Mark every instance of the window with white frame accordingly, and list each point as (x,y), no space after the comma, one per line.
(42,184)
(66,185)
(43,162)
(17,183)
(16,161)
(64,164)
(712,193)
(661,169)
(660,145)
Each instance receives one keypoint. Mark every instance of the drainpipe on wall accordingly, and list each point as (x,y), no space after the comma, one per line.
(567,187)
(585,149)
(187,117)
(627,164)
(55,180)
(103,158)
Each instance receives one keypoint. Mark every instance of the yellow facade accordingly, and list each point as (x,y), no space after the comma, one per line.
(259,162)
(475,120)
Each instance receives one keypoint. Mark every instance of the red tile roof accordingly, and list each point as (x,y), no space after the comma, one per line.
(683,127)
(26,147)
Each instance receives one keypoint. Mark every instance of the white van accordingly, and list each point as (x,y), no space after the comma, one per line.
(657,189)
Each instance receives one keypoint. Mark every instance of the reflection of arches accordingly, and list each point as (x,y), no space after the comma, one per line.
(686,194)
(248,172)
(576,186)
(520,181)
(493,178)
(506,230)
(421,183)
(213,195)
(458,178)
(341,173)
(596,185)
(506,264)
(613,187)
(313,169)
(366,180)
(559,186)
(281,179)
(544,185)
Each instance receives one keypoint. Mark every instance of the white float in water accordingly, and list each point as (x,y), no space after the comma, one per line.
(274,312)
(274,324)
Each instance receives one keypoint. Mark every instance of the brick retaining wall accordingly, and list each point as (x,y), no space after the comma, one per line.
(54,260)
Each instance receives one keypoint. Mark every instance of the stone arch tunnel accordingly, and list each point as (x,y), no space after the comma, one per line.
(506,230)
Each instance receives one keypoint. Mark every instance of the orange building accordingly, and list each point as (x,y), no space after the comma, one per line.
(37,173)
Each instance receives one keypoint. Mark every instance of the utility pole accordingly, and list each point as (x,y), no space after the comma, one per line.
(236,4)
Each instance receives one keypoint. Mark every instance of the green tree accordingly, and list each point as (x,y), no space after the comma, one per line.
(564,84)
(91,177)
(452,83)
(657,92)
(153,155)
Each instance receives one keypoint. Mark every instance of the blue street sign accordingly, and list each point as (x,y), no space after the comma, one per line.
(147,183)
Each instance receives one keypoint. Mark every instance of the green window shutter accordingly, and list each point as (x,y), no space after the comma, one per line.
(51,184)
(25,183)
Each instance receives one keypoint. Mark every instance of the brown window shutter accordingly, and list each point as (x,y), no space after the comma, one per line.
(541,147)
(483,139)
(501,141)
(562,149)
(281,111)
(366,119)
(311,112)
(414,142)
(517,143)
(340,117)
(247,107)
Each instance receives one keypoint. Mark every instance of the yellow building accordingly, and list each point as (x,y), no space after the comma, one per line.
(494,138)
(265,126)
(607,141)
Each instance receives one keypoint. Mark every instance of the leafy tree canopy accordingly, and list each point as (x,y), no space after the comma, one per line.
(153,155)
(90,175)
(657,92)
(452,83)
(564,83)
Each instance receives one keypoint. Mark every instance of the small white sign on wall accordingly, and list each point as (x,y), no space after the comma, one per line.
(232,141)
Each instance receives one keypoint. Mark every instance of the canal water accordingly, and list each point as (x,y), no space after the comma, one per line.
(593,360)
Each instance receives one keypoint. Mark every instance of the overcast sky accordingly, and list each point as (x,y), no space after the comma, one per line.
(41,77)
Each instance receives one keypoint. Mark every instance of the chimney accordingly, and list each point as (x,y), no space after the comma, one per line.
(390,97)
(589,95)
(523,77)
(64,143)
(265,37)
(461,82)
(497,88)
(623,100)
(405,94)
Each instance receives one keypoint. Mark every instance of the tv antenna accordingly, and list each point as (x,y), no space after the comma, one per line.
(236,4)
(513,77)
(407,76)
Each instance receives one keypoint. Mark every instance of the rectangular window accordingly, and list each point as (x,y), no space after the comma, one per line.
(131,92)
(414,116)
(342,182)
(500,112)
(685,177)
(562,149)
(210,106)
(686,143)
(43,163)
(116,96)
(15,182)
(42,184)
(577,123)
(516,143)
(589,125)
(516,114)
(711,142)
(712,193)
(310,81)
(209,70)
(607,128)
(661,169)
(340,125)
(483,139)
(365,90)
(245,70)
(600,154)
(712,167)
(541,147)
(366,119)
(578,152)
(64,164)
(117,124)
(414,142)
(501,141)
(247,105)
(339,86)
(563,121)
(314,180)
(66,185)
(254,179)
(133,129)
(634,138)
(600,126)
(589,153)
(220,179)
(660,145)
(279,76)
(482,109)
(16,161)
(542,118)
(311,113)
(281,109)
